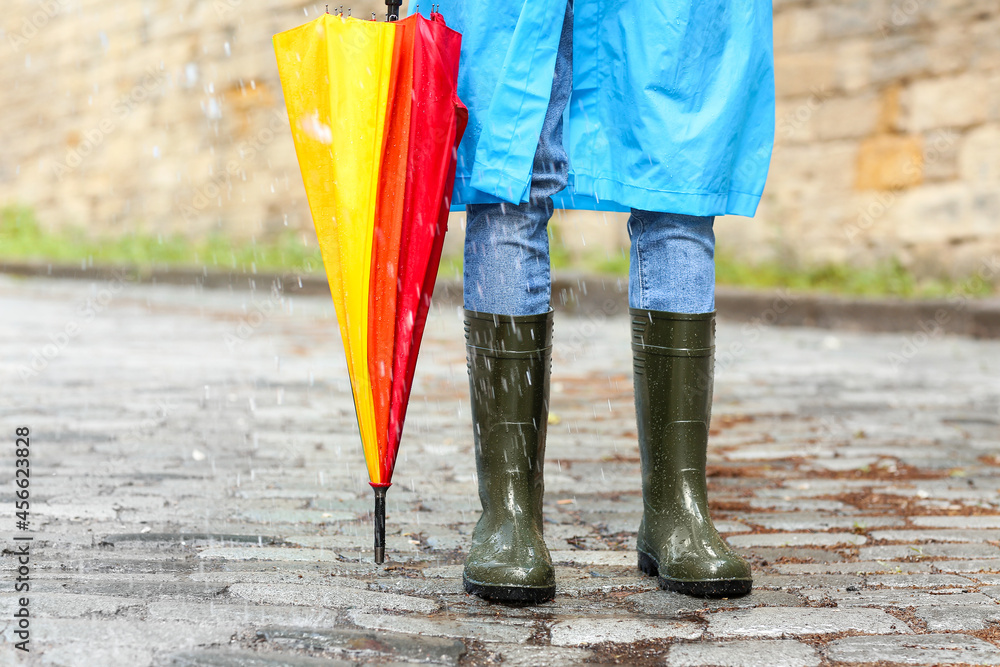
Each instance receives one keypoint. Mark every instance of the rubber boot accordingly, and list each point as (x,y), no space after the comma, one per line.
(509,360)
(673,356)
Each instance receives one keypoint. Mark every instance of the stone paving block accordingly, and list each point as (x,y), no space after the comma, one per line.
(231,571)
(726,527)
(119,641)
(897,598)
(977,522)
(321,497)
(544,656)
(269,553)
(797,582)
(798,621)
(929,649)
(241,613)
(920,580)
(936,535)
(340,543)
(331,596)
(71,605)
(744,653)
(432,587)
(992,591)
(668,603)
(604,584)
(855,567)
(984,565)
(211,539)
(932,550)
(810,488)
(126,586)
(486,631)
(795,539)
(367,646)
(447,571)
(800,521)
(790,504)
(224,658)
(796,554)
(842,463)
(966,619)
(614,558)
(289,516)
(95,511)
(583,631)
(988,578)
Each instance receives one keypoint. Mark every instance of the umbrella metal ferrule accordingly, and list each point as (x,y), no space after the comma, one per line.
(380,523)
(393,7)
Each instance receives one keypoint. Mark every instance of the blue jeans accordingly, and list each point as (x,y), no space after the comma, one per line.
(672,258)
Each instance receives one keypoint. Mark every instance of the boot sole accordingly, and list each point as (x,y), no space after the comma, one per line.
(709,588)
(515,594)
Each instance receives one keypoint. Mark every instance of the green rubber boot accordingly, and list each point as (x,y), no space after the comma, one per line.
(673,357)
(509,358)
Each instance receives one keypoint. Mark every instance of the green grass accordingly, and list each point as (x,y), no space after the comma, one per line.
(23,239)
(884,279)
(888,278)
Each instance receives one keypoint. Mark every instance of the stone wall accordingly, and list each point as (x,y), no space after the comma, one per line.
(166,115)
(887,135)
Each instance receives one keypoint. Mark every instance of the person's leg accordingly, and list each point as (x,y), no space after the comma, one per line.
(508,324)
(507,246)
(671,293)
(672,262)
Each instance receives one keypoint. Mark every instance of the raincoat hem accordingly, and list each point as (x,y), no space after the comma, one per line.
(606,194)
(495,181)
(668,201)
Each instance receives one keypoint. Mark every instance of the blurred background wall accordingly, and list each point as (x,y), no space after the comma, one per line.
(166,116)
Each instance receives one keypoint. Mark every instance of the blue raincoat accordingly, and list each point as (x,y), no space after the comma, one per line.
(672,106)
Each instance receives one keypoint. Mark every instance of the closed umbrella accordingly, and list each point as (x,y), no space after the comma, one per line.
(376,123)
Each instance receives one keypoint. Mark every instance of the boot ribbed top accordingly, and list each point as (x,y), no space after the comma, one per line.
(686,336)
(508,335)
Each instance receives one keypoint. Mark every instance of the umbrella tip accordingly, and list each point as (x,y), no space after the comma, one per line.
(379,523)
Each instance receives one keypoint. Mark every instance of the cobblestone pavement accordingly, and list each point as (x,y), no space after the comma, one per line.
(200,498)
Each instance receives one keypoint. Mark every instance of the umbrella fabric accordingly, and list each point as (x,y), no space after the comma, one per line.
(376,121)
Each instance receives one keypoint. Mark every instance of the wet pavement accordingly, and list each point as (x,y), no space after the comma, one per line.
(199,496)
